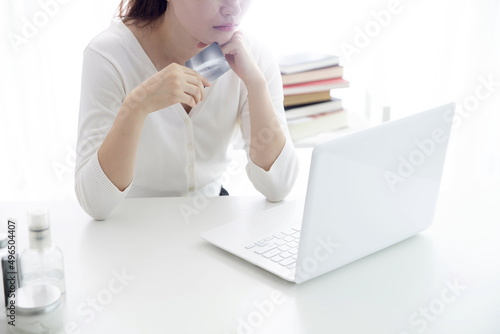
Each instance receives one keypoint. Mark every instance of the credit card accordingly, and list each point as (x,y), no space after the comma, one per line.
(210,62)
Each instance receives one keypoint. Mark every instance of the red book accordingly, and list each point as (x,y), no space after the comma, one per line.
(315,86)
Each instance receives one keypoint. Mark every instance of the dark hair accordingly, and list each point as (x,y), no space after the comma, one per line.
(142,13)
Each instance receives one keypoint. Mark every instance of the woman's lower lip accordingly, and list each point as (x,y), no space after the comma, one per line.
(226,28)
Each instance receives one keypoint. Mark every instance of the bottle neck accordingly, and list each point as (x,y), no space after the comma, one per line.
(40,239)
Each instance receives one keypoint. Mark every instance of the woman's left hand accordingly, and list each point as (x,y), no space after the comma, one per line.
(241,59)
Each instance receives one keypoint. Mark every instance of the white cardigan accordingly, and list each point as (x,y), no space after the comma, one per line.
(179,154)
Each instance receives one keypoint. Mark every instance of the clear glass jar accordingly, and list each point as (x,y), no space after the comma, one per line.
(39,309)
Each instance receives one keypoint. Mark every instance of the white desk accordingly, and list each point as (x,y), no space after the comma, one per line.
(181,284)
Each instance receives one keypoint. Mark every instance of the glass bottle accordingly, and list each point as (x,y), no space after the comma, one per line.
(42,262)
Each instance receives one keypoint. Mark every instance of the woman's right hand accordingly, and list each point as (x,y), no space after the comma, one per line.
(173,84)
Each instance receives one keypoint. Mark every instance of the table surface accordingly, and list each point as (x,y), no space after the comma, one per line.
(146,270)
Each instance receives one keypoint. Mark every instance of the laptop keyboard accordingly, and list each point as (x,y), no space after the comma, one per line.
(281,247)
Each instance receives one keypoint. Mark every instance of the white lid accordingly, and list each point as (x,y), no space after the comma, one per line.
(37,299)
(38,219)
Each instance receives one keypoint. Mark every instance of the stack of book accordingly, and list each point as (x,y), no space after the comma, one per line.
(308,81)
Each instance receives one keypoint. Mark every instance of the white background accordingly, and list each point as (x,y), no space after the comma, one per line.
(429,52)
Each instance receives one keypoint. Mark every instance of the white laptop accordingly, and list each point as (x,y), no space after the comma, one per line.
(366,191)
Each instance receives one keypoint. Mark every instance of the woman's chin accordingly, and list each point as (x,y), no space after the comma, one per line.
(223,38)
(220,38)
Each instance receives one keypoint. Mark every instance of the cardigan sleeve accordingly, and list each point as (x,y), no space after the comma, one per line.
(102,93)
(277,182)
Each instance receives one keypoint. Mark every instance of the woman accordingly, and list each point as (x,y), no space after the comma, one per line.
(150,126)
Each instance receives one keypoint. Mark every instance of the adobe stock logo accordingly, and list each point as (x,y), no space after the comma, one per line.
(263,309)
(425,315)
(372,29)
(409,165)
(322,252)
(202,198)
(89,309)
(31,27)
(486,89)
